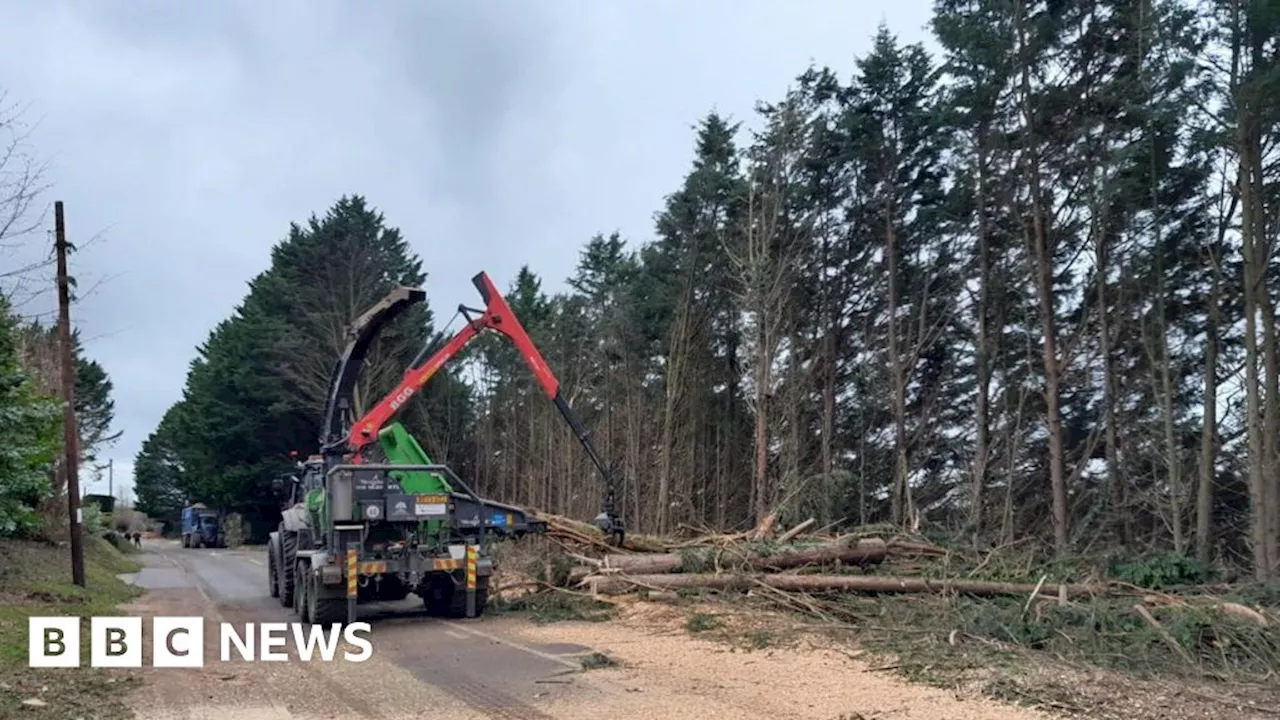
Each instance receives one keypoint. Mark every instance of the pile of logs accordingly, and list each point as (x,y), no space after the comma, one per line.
(791,561)
(785,566)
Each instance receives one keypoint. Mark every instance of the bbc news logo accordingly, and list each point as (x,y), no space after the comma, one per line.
(179,642)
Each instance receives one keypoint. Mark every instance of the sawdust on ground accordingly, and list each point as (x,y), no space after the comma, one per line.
(661,673)
(664,672)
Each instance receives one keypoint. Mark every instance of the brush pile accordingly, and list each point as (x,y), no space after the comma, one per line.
(797,560)
(1141,615)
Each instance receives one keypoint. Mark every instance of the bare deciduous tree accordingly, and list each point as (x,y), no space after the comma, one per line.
(22,181)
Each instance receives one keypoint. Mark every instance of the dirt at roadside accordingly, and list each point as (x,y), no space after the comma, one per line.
(731,664)
(663,672)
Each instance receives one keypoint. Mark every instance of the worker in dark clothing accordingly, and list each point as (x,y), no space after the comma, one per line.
(137,539)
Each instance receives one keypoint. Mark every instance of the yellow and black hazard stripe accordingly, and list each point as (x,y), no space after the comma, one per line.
(352,574)
(473,556)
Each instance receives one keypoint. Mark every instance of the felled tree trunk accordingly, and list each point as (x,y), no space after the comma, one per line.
(864,552)
(620,584)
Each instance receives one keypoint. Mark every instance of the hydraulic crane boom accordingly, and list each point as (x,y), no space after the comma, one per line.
(497,315)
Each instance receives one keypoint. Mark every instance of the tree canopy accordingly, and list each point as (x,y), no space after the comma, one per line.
(256,390)
(1020,288)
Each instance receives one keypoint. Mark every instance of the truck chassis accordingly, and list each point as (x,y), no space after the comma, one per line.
(325,578)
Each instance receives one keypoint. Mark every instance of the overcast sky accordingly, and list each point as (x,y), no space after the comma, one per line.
(185,137)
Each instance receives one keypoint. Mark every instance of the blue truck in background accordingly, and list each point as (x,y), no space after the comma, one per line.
(201,527)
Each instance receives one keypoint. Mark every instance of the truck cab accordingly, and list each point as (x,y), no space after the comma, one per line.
(201,527)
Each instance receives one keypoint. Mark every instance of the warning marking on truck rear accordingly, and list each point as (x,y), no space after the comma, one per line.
(431,505)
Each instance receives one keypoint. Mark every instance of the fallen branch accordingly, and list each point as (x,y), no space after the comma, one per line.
(791,534)
(620,584)
(576,532)
(871,551)
(585,560)
(1034,593)
(1168,639)
(907,547)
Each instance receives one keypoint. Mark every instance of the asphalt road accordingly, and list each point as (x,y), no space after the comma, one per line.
(476,662)
(501,666)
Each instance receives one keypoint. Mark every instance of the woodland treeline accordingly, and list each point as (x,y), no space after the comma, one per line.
(1018,290)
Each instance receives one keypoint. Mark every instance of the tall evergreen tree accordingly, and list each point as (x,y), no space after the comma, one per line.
(258,387)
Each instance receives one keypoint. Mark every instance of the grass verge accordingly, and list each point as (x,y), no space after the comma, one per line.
(35,580)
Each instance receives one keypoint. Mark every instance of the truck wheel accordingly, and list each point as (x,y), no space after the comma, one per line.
(437,594)
(391,589)
(301,588)
(458,607)
(444,598)
(273,582)
(288,562)
(326,611)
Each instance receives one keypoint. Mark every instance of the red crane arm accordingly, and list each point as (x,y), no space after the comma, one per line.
(497,315)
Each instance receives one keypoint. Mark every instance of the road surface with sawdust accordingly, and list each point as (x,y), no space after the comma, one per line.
(500,667)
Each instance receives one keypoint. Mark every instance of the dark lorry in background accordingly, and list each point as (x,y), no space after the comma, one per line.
(201,527)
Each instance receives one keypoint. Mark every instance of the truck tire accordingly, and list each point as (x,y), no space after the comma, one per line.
(442,597)
(458,606)
(391,589)
(437,594)
(273,582)
(300,591)
(324,611)
(288,565)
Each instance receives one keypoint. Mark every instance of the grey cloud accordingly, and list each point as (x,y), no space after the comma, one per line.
(494,134)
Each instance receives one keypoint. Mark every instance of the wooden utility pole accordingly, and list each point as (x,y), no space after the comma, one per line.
(71,464)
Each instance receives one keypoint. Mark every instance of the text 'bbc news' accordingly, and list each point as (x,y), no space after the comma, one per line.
(179,642)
